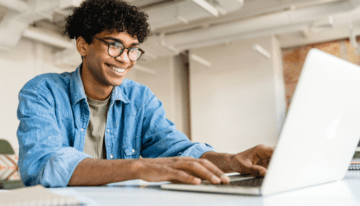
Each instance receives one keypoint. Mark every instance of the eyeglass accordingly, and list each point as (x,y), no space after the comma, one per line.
(116,49)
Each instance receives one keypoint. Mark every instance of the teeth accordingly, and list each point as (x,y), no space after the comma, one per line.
(118,69)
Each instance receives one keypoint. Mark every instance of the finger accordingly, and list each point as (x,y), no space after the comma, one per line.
(262,155)
(178,176)
(198,170)
(264,163)
(190,166)
(247,167)
(214,169)
(257,170)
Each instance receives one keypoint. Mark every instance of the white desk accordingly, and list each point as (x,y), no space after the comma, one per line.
(137,192)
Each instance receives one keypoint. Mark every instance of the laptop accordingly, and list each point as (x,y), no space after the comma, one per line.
(319,136)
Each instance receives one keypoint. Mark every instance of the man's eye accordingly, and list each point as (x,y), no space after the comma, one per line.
(116,44)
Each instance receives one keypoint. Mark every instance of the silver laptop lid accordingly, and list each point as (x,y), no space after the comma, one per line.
(322,128)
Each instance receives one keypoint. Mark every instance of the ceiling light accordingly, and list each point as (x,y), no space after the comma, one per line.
(207,7)
(200,60)
(262,51)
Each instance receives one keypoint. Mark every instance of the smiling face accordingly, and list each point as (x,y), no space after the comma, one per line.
(100,71)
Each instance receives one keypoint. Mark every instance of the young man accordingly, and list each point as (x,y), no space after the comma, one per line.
(90,127)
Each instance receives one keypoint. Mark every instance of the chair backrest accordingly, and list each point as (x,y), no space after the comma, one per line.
(5,147)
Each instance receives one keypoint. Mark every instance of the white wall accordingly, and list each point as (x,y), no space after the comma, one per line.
(233,103)
(18,66)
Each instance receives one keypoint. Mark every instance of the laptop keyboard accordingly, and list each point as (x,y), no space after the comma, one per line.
(243,181)
(254,182)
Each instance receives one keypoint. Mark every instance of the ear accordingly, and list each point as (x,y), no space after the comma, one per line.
(82,46)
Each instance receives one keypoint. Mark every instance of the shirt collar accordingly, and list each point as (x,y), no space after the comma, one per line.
(118,94)
(78,92)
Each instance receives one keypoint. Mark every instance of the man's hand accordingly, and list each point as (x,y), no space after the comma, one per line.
(253,161)
(179,170)
(211,166)
(175,169)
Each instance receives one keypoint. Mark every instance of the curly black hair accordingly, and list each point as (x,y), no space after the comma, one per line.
(95,16)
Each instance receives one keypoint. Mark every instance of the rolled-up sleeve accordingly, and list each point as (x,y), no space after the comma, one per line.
(42,157)
(160,137)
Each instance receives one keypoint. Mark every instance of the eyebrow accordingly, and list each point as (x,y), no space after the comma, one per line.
(119,40)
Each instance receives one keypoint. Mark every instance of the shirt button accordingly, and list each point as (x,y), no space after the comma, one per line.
(82,129)
(108,130)
(133,150)
(111,156)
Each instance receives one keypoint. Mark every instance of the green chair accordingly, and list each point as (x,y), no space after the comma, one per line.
(5,147)
(5,150)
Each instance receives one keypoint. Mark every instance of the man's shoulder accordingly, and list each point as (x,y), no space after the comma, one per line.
(134,90)
(49,80)
(129,85)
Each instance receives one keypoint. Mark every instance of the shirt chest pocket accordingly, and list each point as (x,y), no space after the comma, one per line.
(132,123)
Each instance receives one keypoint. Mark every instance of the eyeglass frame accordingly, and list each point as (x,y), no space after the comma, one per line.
(122,50)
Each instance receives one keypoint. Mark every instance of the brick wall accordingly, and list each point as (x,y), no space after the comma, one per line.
(294,58)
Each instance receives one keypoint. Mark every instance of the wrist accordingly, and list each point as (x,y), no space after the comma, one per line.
(229,159)
(221,160)
(137,166)
(232,168)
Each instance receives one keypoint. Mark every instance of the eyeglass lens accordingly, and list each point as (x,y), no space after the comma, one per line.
(117,49)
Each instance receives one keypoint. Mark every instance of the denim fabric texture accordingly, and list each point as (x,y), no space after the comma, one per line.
(54,115)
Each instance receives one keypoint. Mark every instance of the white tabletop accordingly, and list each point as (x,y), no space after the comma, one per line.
(138,192)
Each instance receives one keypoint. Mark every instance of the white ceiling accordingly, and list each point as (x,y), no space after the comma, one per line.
(179,25)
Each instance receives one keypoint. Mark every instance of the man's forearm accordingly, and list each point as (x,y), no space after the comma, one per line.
(221,160)
(99,172)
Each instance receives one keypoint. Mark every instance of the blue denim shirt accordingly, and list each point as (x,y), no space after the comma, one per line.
(54,115)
